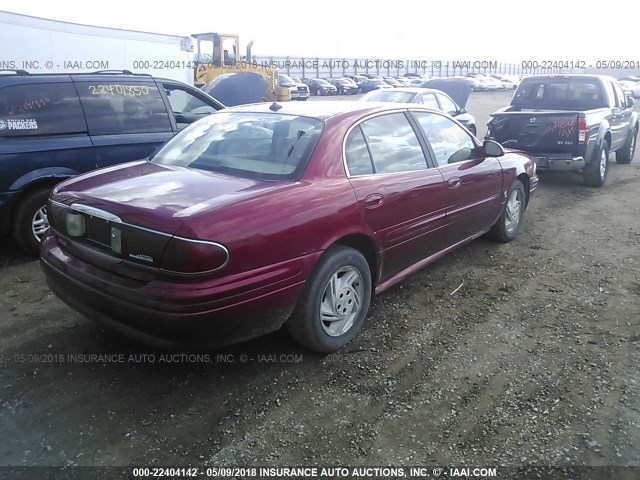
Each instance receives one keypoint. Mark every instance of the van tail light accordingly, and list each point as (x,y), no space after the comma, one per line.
(183,255)
(583,130)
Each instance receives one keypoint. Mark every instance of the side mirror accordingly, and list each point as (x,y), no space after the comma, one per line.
(492,148)
(462,110)
(630,101)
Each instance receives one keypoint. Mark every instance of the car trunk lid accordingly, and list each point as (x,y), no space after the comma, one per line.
(131,212)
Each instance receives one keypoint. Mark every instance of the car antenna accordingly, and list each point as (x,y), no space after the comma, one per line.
(275,107)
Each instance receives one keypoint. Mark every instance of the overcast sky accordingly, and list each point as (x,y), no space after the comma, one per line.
(502,30)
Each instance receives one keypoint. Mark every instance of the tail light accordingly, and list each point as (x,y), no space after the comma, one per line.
(583,130)
(183,255)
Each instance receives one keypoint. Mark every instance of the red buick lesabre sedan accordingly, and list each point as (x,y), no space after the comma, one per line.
(266,215)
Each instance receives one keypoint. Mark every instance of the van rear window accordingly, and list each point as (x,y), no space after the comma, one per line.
(40,109)
(560,93)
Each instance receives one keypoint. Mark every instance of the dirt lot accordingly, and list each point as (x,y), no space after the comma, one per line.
(533,361)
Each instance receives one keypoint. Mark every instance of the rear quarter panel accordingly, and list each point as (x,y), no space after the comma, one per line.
(598,122)
(515,164)
(287,223)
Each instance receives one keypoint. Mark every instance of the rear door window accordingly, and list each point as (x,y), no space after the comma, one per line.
(40,109)
(357,154)
(393,144)
(117,107)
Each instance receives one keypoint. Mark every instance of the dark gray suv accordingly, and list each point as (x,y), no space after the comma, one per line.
(55,126)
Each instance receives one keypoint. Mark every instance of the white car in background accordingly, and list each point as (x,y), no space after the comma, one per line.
(494,84)
(507,82)
(633,87)
(481,84)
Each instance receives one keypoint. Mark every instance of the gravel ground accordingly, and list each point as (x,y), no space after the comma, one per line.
(533,361)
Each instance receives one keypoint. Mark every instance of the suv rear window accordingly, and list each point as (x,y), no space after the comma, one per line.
(562,93)
(40,109)
(116,107)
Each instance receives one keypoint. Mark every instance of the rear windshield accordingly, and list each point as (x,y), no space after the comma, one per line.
(391,96)
(560,93)
(253,145)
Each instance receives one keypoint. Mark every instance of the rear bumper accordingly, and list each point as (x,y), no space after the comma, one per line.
(210,313)
(564,163)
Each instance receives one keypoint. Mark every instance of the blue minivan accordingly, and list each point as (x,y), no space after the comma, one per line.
(55,126)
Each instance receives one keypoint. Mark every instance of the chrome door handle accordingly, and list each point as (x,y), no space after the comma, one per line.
(454,182)
(374,200)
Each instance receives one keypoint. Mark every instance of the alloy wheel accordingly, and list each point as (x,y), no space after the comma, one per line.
(603,163)
(513,212)
(39,223)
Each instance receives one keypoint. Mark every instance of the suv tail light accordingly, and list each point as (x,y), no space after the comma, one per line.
(184,255)
(583,130)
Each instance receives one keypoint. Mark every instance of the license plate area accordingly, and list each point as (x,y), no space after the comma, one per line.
(98,231)
(102,230)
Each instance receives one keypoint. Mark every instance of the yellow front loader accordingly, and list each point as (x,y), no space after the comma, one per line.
(218,54)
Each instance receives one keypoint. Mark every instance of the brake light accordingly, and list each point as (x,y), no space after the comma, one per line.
(583,130)
(184,255)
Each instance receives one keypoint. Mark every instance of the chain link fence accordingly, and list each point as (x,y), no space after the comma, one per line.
(318,67)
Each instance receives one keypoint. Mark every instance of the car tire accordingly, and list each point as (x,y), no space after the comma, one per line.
(348,271)
(319,92)
(510,221)
(30,220)
(595,173)
(625,155)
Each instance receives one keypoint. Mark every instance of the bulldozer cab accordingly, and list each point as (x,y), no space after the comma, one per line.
(219,54)
(217,49)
